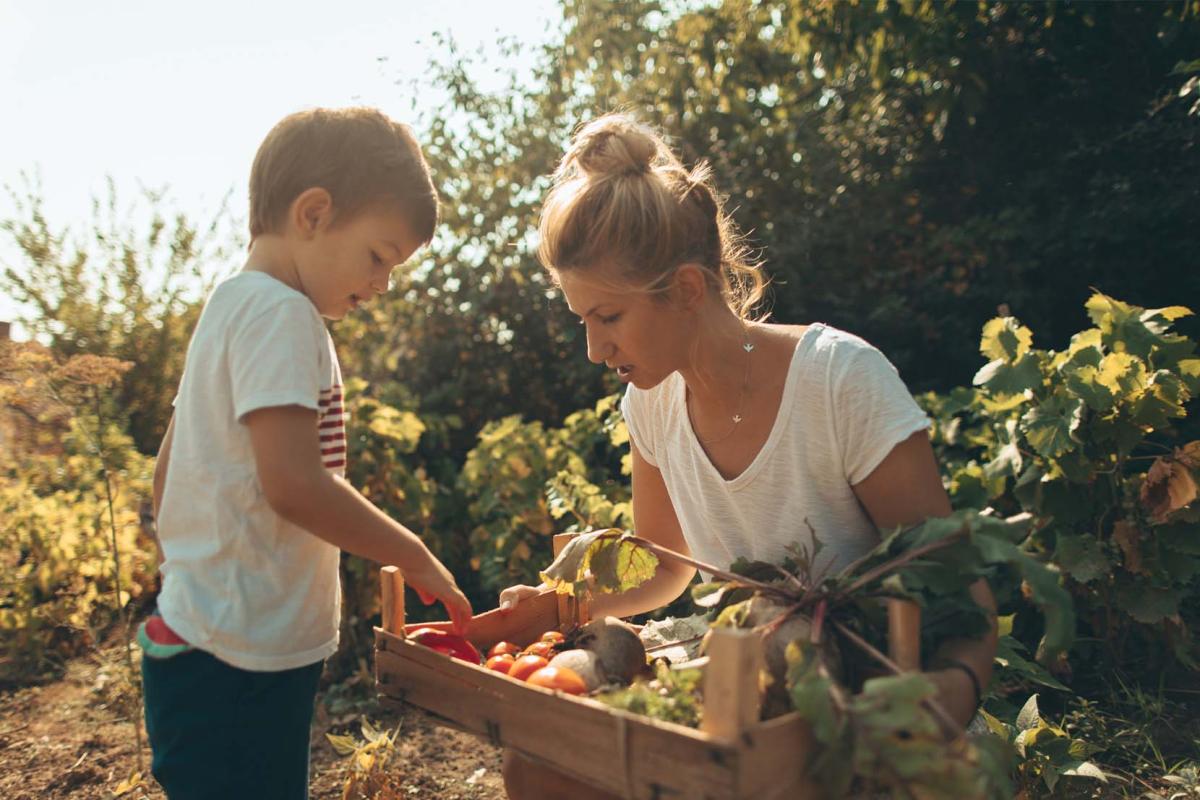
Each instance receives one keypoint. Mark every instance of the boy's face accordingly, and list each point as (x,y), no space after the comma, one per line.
(347,263)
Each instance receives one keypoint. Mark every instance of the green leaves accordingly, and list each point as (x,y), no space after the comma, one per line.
(1005,339)
(606,561)
(1082,557)
(404,428)
(1013,369)
(1048,752)
(1090,445)
(1051,427)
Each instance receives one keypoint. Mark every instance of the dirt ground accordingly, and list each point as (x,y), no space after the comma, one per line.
(72,739)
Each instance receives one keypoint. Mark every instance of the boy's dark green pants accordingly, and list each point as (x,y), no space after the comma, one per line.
(217,731)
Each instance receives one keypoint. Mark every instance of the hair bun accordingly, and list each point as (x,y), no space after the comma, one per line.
(614,145)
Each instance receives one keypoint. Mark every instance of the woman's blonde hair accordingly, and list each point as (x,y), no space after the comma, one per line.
(622,198)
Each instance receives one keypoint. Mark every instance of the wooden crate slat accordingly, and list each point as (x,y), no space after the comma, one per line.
(577,735)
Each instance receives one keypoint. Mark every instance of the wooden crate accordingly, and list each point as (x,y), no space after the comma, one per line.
(734,757)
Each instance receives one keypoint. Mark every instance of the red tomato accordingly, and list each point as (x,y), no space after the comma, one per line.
(448,643)
(560,678)
(541,648)
(509,648)
(525,666)
(553,637)
(501,663)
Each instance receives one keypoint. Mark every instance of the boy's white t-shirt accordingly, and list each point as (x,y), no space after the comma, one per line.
(843,409)
(239,581)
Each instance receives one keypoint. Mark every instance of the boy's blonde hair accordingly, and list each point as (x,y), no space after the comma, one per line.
(358,155)
(622,198)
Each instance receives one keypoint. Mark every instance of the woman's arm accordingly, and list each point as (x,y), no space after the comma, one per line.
(654,519)
(905,489)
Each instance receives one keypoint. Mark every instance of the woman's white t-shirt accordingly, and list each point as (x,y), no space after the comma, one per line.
(843,409)
(240,581)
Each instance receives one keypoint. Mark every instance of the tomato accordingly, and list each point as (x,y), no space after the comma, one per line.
(553,637)
(508,648)
(541,648)
(501,663)
(448,643)
(525,666)
(560,678)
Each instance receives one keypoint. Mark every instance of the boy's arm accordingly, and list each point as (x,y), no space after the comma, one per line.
(299,488)
(160,480)
(905,489)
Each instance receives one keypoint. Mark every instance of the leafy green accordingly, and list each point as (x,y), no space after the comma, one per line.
(607,561)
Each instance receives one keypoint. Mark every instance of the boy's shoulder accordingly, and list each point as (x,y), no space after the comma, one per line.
(245,297)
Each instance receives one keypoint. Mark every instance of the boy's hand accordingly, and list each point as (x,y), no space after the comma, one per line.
(434,582)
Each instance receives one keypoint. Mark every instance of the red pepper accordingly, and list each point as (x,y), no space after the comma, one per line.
(448,643)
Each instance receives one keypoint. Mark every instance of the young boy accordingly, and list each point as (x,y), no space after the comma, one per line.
(249,492)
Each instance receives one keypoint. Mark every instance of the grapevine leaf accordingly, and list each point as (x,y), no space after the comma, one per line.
(1160,402)
(1081,556)
(1123,374)
(1005,338)
(1189,372)
(1168,487)
(1084,384)
(1148,604)
(1159,320)
(1051,425)
(1124,326)
(1127,537)
(1003,377)
(1007,462)
(1180,538)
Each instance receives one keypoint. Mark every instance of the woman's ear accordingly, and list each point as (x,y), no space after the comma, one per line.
(311,211)
(689,286)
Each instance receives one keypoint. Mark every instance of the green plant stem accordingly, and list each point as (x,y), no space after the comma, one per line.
(116,549)
(901,560)
(938,710)
(716,572)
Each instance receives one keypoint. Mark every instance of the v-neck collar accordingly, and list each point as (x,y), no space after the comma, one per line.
(782,415)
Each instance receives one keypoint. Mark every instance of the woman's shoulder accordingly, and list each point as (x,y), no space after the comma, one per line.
(820,341)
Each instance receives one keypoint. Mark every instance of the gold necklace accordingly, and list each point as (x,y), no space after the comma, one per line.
(737,417)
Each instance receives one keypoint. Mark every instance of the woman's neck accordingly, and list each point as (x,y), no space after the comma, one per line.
(719,365)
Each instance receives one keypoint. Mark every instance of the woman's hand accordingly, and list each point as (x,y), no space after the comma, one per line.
(510,597)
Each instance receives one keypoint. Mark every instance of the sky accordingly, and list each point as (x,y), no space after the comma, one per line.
(178,95)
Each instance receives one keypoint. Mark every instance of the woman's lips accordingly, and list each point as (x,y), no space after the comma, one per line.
(624,371)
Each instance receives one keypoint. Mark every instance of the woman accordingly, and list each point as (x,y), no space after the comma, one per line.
(746,437)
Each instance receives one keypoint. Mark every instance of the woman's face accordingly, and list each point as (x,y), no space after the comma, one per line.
(641,338)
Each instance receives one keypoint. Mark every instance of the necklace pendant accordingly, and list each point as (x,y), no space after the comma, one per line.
(737,418)
(748,347)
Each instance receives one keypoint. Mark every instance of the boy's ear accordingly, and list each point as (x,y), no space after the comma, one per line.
(311,211)
(690,286)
